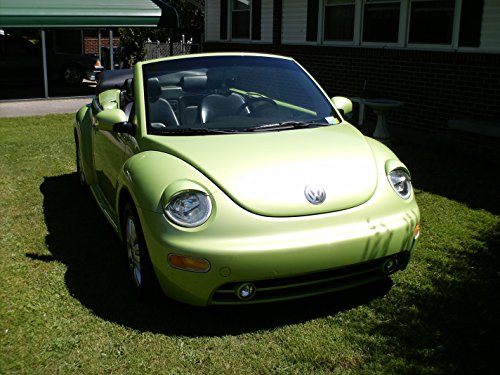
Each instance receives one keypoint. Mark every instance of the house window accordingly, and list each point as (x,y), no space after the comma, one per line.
(240,19)
(435,24)
(339,20)
(431,21)
(381,21)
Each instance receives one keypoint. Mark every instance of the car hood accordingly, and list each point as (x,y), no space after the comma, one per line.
(267,173)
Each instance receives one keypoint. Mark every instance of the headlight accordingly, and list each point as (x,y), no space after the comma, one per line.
(188,208)
(400,182)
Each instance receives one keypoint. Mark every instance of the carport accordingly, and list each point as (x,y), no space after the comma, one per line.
(48,14)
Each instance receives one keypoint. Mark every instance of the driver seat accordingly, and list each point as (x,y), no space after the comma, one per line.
(221,102)
(218,105)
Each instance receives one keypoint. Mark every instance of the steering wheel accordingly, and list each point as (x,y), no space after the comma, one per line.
(250,103)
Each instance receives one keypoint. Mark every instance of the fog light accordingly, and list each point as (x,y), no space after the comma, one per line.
(188,263)
(246,291)
(390,265)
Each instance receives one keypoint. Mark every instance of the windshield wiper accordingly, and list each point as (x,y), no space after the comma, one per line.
(190,131)
(286,125)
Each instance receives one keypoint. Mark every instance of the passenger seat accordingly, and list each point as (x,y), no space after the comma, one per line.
(161,114)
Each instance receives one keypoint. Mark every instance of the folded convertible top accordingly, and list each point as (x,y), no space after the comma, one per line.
(112,79)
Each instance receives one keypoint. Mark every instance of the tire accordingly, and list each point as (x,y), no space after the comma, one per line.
(79,169)
(72,74)
(140,268)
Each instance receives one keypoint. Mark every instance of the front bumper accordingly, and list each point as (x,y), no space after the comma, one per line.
(285,257)
(90,74)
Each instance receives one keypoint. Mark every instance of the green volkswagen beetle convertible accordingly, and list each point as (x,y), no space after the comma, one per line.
(234,179)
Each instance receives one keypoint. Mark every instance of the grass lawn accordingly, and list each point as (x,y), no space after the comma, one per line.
(66,307)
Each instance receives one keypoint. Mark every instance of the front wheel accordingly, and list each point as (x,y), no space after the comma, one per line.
(139,263)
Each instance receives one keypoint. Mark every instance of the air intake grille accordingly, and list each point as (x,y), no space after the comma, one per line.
(309,284)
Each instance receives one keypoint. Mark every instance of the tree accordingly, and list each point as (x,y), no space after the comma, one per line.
(191,22)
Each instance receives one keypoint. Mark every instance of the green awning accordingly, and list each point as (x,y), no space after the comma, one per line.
(79,14)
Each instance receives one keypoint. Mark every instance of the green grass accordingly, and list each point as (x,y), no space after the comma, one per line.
(65,304)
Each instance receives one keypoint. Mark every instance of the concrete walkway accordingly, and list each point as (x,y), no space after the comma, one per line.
(36,107)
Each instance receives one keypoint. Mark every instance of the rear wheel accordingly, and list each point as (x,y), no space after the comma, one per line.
(139,263)
(72,74)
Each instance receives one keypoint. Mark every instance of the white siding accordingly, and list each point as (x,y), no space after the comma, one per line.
(294,23)
(212,20)
(490,30)
(267,21)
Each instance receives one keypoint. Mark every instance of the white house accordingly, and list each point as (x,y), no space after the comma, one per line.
(441,57)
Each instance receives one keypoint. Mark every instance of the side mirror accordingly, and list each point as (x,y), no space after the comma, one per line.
(343,104)
(114,120)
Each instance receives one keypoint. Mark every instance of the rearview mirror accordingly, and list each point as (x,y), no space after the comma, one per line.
(343,104)
(114,120)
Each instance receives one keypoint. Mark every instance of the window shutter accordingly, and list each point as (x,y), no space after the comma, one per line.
(223,19)
(256,19)
(312,20)
(470,23)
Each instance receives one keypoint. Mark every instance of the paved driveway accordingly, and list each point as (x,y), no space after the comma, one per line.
(41,106)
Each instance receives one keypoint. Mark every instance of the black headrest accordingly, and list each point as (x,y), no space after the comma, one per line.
(154,89)
(216,78)
(127,92)
(194,83)
(128,86)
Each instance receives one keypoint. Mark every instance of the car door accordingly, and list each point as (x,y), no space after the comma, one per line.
(109,149)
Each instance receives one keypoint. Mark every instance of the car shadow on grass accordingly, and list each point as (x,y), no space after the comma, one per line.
(80,237)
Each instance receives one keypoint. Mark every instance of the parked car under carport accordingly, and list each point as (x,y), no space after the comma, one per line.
(21,63)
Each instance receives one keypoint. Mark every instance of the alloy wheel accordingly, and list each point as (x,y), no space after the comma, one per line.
(72,75)
(133,252)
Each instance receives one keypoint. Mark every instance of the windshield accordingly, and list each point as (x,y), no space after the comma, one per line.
(227,94)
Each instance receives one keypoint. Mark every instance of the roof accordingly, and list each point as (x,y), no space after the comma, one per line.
(88,13)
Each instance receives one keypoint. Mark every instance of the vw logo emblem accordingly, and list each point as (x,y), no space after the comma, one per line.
(315,194)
